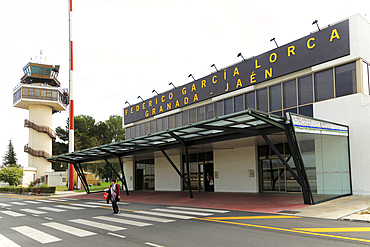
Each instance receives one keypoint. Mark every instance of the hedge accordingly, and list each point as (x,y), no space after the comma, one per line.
(20,190)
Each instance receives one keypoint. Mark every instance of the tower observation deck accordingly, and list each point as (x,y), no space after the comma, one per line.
(40,93)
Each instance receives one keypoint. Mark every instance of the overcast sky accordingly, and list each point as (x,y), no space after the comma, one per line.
(123,49)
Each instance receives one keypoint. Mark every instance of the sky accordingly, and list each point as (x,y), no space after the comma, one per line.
(125,48)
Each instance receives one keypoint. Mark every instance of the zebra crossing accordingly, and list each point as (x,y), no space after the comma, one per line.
(50,232)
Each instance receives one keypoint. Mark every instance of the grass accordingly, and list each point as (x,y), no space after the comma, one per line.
(103,186)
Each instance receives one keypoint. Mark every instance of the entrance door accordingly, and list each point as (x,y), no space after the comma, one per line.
(139,179)
(208,169)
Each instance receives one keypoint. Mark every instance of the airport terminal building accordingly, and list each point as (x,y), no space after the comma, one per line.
(292,120)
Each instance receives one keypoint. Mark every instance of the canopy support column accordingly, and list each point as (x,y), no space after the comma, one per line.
(119,177)
(82,177)
(294,149)
(182,142)
(123,175)
(178,172)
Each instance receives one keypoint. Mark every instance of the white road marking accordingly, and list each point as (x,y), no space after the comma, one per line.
(69,207)
(143,217)
(98,225)
(127,222)
(44,201)
(47,218)
(34,202)
(18,203)
(33,211)
(6,242)
(5,205)
(11,213)
(116,235)
(180,212)
(69,229)
(52,209)
(184,217)
(85,205)
(37,235)
(155,245)
(58,200)
(201,209)
(101,204)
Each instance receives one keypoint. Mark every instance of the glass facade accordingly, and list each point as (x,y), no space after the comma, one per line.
(296,96)
(144,174)
(325,154)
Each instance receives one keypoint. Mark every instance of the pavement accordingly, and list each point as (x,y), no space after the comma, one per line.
(351,208)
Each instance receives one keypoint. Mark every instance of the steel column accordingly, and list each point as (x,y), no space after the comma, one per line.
(114,171)
(84,178)
(123,175)
(178,172)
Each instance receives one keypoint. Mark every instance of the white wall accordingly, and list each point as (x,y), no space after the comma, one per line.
(128,168)
(166,178)
(354,111)
(232,166)
(56,178)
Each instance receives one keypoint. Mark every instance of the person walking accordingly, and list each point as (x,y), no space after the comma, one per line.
(115,195)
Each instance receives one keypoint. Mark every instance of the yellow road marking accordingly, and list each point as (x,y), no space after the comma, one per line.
(254,217)
(287,230)
(339,229)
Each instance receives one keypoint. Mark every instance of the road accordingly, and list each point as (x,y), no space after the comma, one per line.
(35,220)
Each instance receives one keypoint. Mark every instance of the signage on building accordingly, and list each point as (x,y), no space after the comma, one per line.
(319,47)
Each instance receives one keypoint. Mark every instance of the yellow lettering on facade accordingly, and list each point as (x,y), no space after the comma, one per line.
(153,111)
(186,100)
(193,88)
(177,103)
(225,74)
(309,45)
(160,109)
(334,35)
(256,64)
(291,50)
(239,83)
(273,57)
(214,80)
(204,84)
(150,103)
(253,77)
(143,106)
(163,98)
(183,90)
(168,106)
(236,71)
(268,73)
(170,96)
(156,101)
(195,97)
(125,112)
(132,110)
(137,108)
(146,114)
(227,87)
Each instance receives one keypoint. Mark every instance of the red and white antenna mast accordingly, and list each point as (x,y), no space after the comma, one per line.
(71,138)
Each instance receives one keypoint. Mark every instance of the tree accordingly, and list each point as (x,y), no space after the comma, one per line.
(12,175)
(115,131)
(10,159)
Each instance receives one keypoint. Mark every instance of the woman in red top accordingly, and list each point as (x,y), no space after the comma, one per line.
(115,195)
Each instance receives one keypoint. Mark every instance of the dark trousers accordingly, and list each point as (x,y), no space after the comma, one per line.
(114,205)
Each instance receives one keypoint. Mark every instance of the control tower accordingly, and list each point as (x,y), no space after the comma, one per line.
(40,93)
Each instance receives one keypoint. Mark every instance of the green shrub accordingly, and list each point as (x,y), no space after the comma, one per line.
(26,190)
(11,189)
(18,190)
(50,190)
(32,184)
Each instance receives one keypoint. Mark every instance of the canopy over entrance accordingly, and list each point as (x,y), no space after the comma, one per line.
(233,126)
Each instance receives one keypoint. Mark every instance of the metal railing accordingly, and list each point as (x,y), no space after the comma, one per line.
(40,128)
(36,153)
